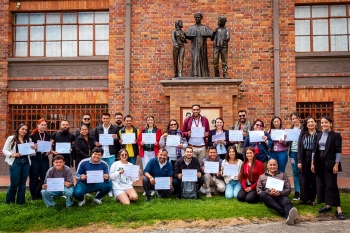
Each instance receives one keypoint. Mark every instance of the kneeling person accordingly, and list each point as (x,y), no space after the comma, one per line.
(277,200)
(58,170)
(83,187)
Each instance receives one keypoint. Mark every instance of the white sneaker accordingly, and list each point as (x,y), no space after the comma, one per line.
(110,194)
(81,203)
(144,193)
(88,195)
(293,214)
(203,190)
(98,201)
(153,192)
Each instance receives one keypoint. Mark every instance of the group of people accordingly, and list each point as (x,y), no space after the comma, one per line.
(101,158)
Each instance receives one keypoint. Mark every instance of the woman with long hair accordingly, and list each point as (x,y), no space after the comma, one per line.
(279,151)
(223,144)
(83,145)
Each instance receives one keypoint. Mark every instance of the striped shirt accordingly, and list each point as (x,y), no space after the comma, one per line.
(308,142)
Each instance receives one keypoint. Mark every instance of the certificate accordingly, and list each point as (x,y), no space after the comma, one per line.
(162,183)
(211,167)
(44,146)
(235,135)
(273,183)
(172,140)
(277,134)
(197,132)
(230,170)
(94,176)
(106,139)
(63,147)
(149,138)
(292,134)
(26,148)
(256,136)
(128,138)
(55,184)
(217,137)
(189,175)
(131,170)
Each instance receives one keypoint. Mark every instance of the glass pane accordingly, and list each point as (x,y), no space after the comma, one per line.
(320,27)
(339,43)
(85,48)
(302,44)
(302,12)
(101,17)
(36,33)
(101,32)
(85,32)
(338,10)
(53,18)
(21,33)
(36,49)
(69,48)
(36,18)
(338,26)
(21,49)
(53,49)
(101,48)
(321,43)
(85,17)
(69,18)
(302,27)
(21,18)
(69,32)
(319,11)
(53,32)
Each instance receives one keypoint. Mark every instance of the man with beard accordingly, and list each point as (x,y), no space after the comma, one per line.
(86,121)
(242,124)
(118,116)
(63,136)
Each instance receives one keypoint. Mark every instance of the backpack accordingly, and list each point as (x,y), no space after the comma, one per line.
(189,190)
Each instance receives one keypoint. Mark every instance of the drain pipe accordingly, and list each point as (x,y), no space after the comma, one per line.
(276,59)
(127,57)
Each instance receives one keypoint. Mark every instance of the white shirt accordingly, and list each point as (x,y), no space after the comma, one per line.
(193,140)
(106,153)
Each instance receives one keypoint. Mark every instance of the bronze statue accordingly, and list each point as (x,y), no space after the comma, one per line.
(198,34)
(221,37)
(179,38)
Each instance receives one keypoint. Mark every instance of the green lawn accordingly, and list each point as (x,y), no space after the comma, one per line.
(34,216)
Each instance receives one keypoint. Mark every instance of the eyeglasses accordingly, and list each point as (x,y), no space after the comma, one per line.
(241,116)
(173,124)
(258,125)
(87,119)
(123,155)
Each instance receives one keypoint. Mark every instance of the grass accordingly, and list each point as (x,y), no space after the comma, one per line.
(34,216)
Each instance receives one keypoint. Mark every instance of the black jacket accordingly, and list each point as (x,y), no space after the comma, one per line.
(180,164)
(113,149)
(83,148)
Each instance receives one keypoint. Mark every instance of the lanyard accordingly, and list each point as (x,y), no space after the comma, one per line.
(41,138)
(195,122)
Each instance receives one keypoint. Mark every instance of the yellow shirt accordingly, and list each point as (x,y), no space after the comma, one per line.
(128,147)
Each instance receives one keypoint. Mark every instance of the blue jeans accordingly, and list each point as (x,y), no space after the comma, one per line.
(294,162)
(232,189)
(38,168)
(282,158)
(109,160)
(48,196)
(132,160)
(19,172)
(82,188)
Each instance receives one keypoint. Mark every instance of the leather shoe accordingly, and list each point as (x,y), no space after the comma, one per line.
(324,209)
(340,215)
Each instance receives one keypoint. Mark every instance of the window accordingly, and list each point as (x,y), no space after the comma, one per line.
(65,34)
(30,114)
(322,28)
(316,110)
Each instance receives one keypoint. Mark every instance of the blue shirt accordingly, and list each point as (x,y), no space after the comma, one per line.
(87,165)
(154,169)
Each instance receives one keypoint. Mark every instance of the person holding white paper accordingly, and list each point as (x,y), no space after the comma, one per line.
(272,198)
(157,167)
(86,120)
(233,185)
(223,143)
(122,184)
(95,163)
(261,149)
(83,145)
(279,150)
(149,151)
(63,136)
(133,149)
(58,170)
(244,125)
(212,179)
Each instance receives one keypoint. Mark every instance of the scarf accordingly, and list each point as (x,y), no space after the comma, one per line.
(178,150)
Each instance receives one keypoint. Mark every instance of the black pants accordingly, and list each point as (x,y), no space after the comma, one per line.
(38,169)
(307,180)
(281,204)
(250,197)
(147,187)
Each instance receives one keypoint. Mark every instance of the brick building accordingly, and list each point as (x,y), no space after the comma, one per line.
(59,59)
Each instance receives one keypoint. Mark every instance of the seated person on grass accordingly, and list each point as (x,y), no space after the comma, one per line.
(99,182)
(277,200)
(157,167)
(58,170)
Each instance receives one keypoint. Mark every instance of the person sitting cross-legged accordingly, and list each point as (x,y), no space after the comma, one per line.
(277,200)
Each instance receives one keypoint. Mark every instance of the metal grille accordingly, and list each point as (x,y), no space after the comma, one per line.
(316,110)
(30,114)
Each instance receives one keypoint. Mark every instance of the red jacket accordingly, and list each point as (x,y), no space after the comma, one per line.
(257,172)
(188,125)
(156,147)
